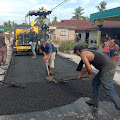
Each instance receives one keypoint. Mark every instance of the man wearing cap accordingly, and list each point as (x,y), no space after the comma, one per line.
(104,77)
(32,41)
(49,52)
(3,48)
(45,24)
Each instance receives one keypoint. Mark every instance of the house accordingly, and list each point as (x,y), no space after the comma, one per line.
(67,29)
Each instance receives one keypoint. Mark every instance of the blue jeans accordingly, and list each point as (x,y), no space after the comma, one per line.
(33,44)
(106,79)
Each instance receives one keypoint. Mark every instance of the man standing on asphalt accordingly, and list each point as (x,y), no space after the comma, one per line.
(3,49)
(32,41)
(104,77)
(49,52)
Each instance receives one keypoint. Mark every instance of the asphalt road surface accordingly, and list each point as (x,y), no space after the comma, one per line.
(40,96)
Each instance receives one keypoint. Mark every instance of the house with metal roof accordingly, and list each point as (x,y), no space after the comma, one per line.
(107,15)
(67,29)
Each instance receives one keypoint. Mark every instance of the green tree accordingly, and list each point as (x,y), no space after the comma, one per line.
(13,24)
(85,18)
(5,24)
(102,6)
(78,14)
(8,26)
(54,20)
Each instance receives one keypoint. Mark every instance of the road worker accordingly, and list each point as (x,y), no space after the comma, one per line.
(49,52)
(104,77)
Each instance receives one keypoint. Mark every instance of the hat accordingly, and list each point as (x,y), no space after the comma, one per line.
(78,47)
(1,30)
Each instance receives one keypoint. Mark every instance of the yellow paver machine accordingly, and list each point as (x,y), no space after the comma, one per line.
(22,34)
(20,39)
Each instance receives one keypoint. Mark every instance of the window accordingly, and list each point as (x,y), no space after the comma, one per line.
(63,33)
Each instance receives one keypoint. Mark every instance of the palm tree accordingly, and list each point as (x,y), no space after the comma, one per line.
(78,14)
(54,20)
(102,6)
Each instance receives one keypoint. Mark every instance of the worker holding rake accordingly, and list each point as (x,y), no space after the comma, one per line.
(104,77)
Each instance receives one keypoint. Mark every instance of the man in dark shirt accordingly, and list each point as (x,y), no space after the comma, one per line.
(32,41)
(104,77)
(49,52)
(3,49)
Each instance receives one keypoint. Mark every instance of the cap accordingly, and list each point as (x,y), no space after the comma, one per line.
(42,41)
(1,30)
(78,47)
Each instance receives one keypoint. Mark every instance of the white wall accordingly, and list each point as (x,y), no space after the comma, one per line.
(83,34)
(93,35)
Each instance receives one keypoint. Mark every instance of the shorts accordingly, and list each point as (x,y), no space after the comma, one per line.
(111,52)
(44,26)
(116,54)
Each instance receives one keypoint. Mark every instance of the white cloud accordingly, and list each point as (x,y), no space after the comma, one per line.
(113,5)
(72,1)
(16,10)
(67,14)
(85,2)
(46,6)
(33,1)
(5,7)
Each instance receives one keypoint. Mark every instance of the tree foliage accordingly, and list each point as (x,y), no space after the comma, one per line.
(54,20)
(85,18)
(78,14)
(102,6)
(8,26)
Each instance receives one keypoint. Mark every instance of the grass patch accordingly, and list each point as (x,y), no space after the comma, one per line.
(69,45)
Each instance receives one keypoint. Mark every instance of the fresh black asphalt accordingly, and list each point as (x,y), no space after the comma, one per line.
(39,95)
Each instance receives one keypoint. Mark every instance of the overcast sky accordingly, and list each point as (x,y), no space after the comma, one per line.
(15,10)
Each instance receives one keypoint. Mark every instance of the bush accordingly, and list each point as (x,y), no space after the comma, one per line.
(69,45)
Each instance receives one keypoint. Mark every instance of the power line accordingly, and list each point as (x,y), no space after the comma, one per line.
(59,4)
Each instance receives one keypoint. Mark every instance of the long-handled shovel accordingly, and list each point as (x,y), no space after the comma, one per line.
(67,80)
(49,78)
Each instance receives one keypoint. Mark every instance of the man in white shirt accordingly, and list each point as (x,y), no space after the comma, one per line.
(45,24)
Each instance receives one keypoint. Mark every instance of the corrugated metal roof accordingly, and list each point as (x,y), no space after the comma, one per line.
(85,24)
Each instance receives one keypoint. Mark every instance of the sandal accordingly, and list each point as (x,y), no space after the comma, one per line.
(90,102)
